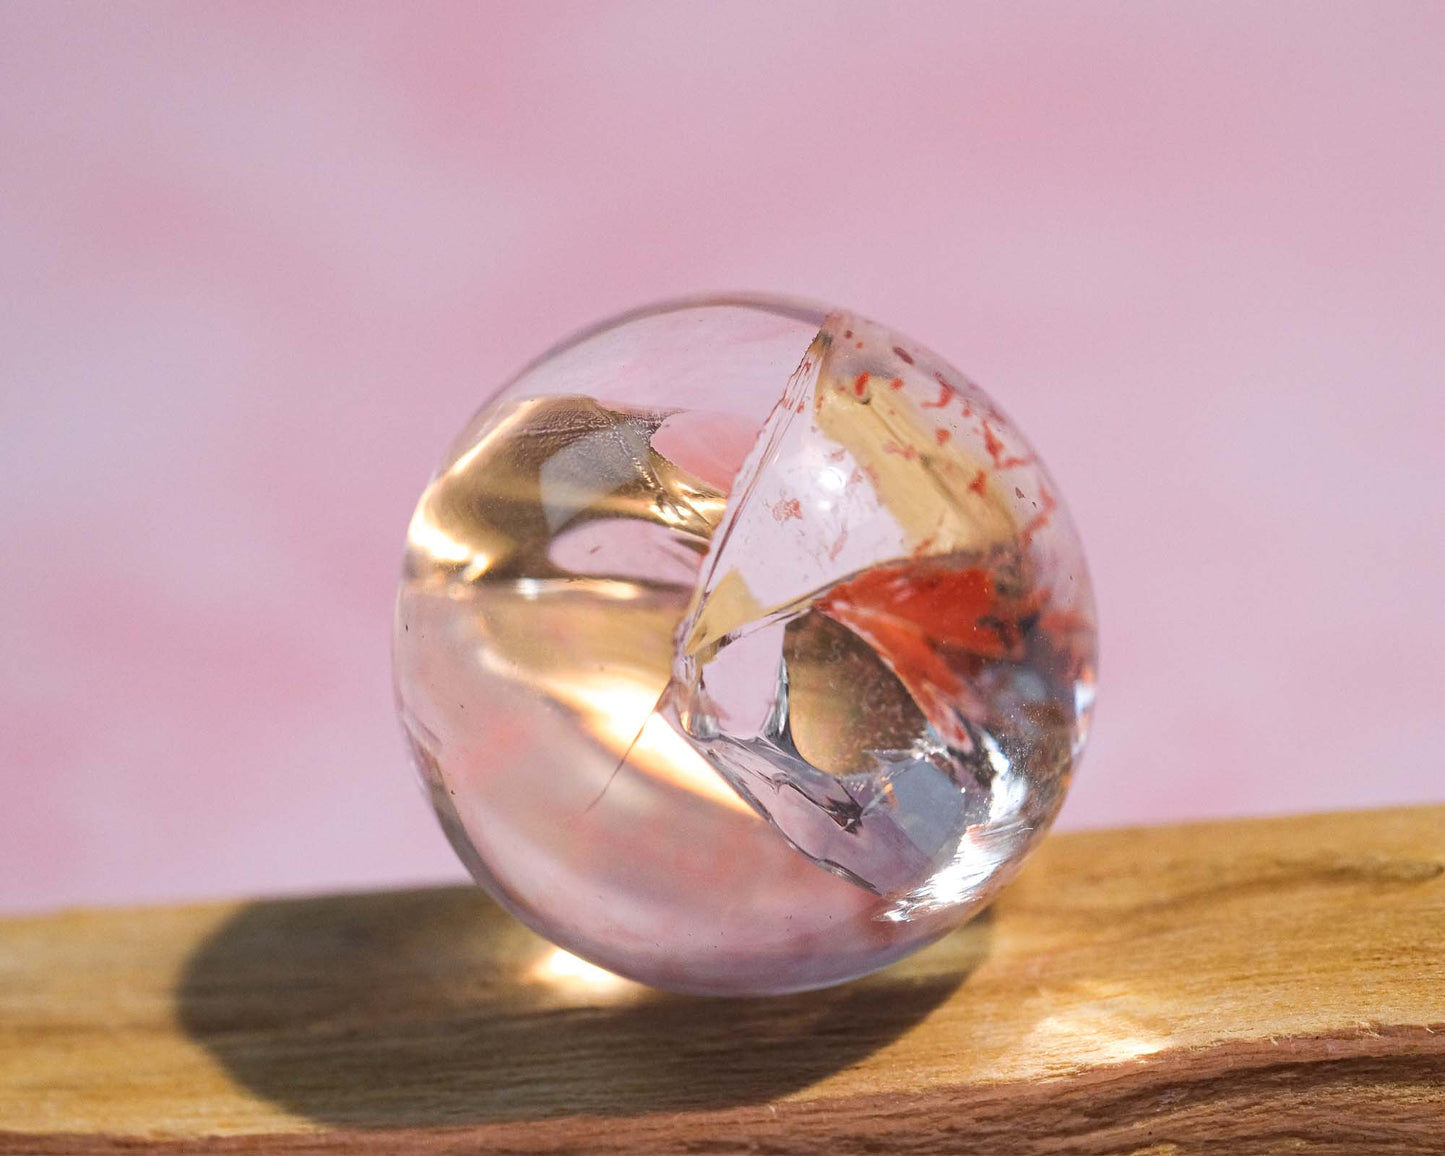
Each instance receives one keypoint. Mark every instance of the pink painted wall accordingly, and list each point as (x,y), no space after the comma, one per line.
(259,262)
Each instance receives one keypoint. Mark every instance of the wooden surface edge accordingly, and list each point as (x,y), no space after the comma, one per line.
(1235,1099)
(1266,986)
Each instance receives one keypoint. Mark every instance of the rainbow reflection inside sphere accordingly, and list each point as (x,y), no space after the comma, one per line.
(744,646)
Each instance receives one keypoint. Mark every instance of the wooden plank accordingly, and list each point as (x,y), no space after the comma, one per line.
(1262,986)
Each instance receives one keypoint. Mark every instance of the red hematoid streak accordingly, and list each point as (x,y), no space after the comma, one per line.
(908,612)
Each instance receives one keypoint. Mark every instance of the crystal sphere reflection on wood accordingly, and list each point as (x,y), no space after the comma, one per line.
(743,645)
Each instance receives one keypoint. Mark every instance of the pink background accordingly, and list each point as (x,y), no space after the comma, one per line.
(260,262)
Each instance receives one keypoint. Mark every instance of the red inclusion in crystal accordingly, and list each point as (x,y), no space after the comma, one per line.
(791,508)
(1002,459)
(915,614)
(945,395)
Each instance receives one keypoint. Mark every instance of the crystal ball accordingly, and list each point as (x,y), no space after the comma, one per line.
(743,646)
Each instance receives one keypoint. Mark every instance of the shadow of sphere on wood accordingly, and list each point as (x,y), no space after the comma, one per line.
(434,1007)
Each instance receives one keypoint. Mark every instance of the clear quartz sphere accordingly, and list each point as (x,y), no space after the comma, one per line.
(744,646)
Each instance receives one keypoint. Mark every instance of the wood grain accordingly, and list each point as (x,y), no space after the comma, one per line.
(1263,986)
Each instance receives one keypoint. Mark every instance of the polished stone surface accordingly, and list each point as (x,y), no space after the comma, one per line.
(743,645)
